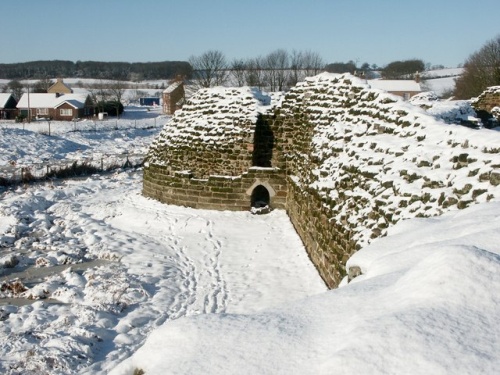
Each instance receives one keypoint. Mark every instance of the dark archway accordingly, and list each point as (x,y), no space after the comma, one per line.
(263,143)
(260,197)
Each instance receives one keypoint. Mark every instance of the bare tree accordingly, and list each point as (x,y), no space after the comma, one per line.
(99,93)
(296,67)
(238,68)
(304,64)
(276,69)
(42,85)
(16,88)
(313,63)
(481,70)
(254,74)
(210,69)
(117,90)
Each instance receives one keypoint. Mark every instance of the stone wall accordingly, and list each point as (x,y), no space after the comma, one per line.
(215,192)
(344,160)
(488,100)
(328,244)
(487,105)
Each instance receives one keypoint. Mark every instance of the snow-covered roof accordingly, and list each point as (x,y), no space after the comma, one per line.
(4,97)
(45,100)
(75,100)
(172,87)
(37,100)
(392,85)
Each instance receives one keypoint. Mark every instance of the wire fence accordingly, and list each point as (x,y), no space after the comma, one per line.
(50,127)
(67,168)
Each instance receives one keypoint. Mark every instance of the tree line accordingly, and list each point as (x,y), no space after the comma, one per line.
(481,70)
(122,71)
(280,69)
(276,71)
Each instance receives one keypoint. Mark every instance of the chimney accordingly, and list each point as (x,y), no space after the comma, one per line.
(417,77)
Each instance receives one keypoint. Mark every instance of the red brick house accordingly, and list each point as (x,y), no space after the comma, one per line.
(173,97)
(55,107)
(73,106)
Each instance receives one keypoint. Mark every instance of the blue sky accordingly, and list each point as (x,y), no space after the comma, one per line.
(375,31)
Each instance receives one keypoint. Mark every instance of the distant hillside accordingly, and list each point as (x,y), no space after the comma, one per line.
(441,81)
(96,69)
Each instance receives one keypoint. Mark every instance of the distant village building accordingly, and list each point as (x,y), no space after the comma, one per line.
(54,106)
(173,97)
(8,108)
(149,101)
(404,88)
(59,88)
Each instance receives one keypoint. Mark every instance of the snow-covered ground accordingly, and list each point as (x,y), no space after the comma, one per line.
(99,279)
(110,265)
(427,303)
(159,263)
(441,81)
(28,143)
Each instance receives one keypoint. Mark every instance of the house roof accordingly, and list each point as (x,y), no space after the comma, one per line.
(75,100)
(392,85)
(172,87)
(4,98)
(37,100)
(45,100)
(59,82)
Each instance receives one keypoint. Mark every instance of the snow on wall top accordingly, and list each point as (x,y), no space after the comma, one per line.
(375,159)
(215,117)
(492,90)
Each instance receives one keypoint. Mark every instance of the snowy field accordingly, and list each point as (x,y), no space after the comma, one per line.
(97,279)
(109,265)
(28,143)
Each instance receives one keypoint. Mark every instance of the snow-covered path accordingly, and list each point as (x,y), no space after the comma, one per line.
(163,263)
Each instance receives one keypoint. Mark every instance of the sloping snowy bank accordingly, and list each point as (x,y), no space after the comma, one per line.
(427,303)
(159,263)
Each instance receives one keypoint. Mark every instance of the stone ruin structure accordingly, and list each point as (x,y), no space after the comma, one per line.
(488,105)
(345,161)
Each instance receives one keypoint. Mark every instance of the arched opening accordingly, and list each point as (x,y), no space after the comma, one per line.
(260,197)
